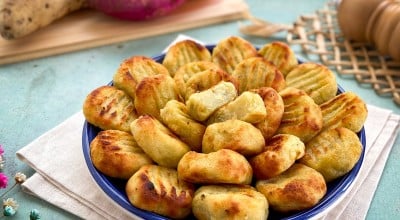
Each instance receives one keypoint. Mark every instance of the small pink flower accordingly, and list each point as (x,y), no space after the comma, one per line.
(1,150)
(3,180)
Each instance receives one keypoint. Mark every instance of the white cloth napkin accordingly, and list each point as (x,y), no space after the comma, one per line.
(63,179)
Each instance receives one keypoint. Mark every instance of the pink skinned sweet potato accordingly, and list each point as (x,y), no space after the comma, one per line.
(135,9)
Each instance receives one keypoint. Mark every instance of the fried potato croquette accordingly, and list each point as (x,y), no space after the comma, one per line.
(301,116)
(184,52)
(345,110)
(235,135)
(152,93)
(158,189)
(158,142)
(316,80)
(202,104)
(251,129)
(185,72)
(207,79)
(256,72)
(109,108)
(274,105)
(223,166)
(116,154)
(278,154)
(333,152)
(133,70)
(229,202)
(248,107)
(298,188)
(280,54)
(176,117)
(231,51)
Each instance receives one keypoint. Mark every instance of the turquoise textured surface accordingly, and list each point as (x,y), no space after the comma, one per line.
(37,95)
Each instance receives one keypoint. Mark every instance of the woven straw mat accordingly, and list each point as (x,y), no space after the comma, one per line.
(320,35)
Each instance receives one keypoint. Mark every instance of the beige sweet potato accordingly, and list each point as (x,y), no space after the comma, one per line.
(21,17)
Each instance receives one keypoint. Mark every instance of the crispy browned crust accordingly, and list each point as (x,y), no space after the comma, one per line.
(315,79)
(185,72)
(279,153)
(345,110)
(132,70)
(256,72)
(274,105)
(223,166)
(280,54)
(109,108)
(231,51)
(116,154)
(236,135)
(333,152)
(301,116)
(157,189)
(298,188)
(184,52)
(225,202)
(152,93)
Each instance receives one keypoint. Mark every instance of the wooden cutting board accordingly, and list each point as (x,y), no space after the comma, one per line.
(88,28)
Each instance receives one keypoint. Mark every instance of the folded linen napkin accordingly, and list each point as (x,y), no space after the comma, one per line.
(62,177)
(60,150)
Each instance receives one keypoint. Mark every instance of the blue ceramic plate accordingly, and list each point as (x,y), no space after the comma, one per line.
(115,188)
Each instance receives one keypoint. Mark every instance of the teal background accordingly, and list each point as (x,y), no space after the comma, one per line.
(37,95)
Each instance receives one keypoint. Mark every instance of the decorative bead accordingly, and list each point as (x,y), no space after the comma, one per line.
(8,210)
(19,177)
(34,214)
(1,162)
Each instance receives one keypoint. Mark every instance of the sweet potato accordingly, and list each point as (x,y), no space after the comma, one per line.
(21,17)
